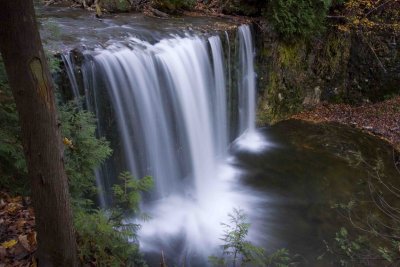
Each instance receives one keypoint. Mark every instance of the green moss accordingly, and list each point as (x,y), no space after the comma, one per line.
(173,6)
(116,5)
(334,55)
(282,100)
(289,55)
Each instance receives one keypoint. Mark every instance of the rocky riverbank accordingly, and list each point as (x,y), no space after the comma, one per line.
(380,119)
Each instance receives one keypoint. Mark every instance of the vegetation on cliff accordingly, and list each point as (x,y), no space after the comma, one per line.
(355,60)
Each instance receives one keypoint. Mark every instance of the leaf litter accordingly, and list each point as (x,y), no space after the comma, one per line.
(17,232)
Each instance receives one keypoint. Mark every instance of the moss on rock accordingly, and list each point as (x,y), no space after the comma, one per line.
(338,67)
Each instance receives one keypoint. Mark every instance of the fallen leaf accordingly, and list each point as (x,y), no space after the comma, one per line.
(32,239)
(34,262)
(17,199)
(21,223)
(3,253)
(9,244)
(23,240)
(18,252)
(13,207)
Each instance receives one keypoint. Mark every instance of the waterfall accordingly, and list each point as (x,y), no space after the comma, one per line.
(249,138)
(171,107)
(247,81)
(69,67)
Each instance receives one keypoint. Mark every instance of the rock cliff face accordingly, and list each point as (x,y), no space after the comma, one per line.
(335,67)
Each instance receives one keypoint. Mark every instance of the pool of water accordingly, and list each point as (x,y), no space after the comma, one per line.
(300,172)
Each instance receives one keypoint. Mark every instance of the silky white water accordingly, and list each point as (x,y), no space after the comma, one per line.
(175,114)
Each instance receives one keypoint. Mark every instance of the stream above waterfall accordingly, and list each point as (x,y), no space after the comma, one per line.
(65,28)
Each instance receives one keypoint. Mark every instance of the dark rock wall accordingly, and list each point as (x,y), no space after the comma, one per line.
(335,67)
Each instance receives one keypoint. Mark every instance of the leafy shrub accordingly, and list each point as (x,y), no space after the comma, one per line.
(116,5)
(10,147)
(103,242)
(127,194)
(106,237)
(173,6)
(238,251)
(372,239)
(12,162)
(297,18)
(84,152)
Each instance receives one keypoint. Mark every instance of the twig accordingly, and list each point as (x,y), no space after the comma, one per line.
(163,264)
(373,51)
(376,8)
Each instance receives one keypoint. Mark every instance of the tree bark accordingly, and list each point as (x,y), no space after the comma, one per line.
(32,88)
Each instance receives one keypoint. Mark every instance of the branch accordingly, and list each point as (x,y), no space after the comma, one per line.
(376,8)
(373,51)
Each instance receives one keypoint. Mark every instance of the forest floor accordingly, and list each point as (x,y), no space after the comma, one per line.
(17,232)
(381,119)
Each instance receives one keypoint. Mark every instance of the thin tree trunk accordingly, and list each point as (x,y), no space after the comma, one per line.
(32,88)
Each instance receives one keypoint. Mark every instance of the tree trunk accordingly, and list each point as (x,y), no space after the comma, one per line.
(32,88)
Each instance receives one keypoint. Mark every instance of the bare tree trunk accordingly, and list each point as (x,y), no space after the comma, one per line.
(32,88)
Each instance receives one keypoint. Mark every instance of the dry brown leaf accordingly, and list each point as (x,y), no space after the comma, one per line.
(3,253)
(33,262)
(21,223)
(23,240)
(17,251)
(17,199)
(13,207)
(32,239)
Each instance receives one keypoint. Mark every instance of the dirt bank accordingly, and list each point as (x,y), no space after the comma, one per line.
(381,119)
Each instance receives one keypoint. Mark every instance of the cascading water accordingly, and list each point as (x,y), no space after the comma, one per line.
(171,106)
(249,138)
(247,81)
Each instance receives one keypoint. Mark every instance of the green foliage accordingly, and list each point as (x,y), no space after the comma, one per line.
(103,235)
(240,252)
(53,61)
(297,18)
(235,239)
(127,194)
(173,6)
(374,217)
(116,5)
(12,162)
(348,246)
(84,152)
(279,258)
(106,236)
(104,242)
